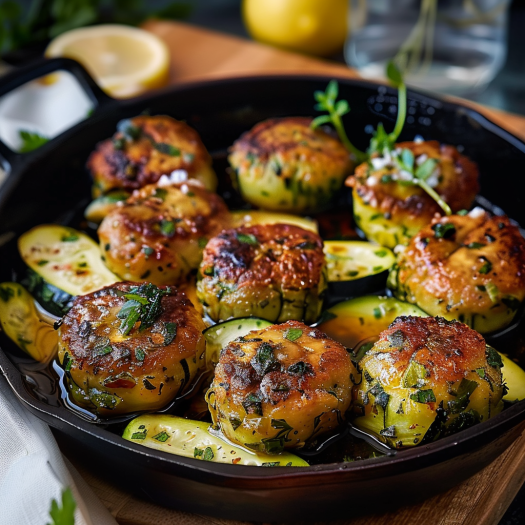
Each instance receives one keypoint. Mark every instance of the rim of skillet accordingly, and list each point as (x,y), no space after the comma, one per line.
(406,460)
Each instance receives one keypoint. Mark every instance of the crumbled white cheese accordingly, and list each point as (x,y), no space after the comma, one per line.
(371,181)
(400,248)
(422,158)
(476,213)
(176,177)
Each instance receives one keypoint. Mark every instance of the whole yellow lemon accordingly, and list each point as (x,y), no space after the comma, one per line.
(317,27)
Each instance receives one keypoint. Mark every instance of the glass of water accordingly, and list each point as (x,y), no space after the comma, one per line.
(451,46)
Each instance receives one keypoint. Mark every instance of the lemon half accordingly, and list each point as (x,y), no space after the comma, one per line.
(316,27)
(125,61)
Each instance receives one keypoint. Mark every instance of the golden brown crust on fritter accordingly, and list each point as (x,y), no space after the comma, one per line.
(274,271)
(159,233)
(279,255)
(458,184)
(465,266)
(141,367)
(293,138)
(135,163)
(288,372)
(447,349)
(284,164)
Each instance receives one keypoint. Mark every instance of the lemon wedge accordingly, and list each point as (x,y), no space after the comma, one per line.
(125,61)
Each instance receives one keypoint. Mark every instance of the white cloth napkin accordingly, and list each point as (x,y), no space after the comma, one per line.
(33,471)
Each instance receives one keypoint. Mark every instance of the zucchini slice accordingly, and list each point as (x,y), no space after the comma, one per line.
(251,217)
(352,321)
(514,378)
(65,258)
(23,325)
(101,206)
(356,267)
(220,334)
(192,439)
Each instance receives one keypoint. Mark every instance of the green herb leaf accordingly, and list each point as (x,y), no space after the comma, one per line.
(167,227)
(139,354)
(292,334)
(465,389)
(271,464)
(70,237)
(493,358)
(423,396)
(414,376)
(444,230)
(160,193)
(63,514)
(129,130)
(511,302)
(252,404)
(162,436)
(167,149)
(264,360)
(129,315)
(424,170)
(247,238)
(300,368)
(407,157)
(476,245)
(169,332)
(31,141)
(486,267)
(208,454)
(6,293)
(493,292)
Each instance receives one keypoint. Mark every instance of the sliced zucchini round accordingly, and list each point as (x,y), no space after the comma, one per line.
(251,217)
(101,206)
(22,324)
(193,439)
(352,321)
(356,267)
(220,334)
(514,379)
(65,258)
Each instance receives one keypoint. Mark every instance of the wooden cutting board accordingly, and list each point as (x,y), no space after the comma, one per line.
(198,54)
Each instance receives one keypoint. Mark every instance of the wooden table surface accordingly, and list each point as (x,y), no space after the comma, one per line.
(198,54)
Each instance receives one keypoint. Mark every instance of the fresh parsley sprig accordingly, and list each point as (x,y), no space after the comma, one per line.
(381,143)
(326,101)
(63,514)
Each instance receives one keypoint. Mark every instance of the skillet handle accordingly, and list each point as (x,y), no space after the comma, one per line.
(40,68)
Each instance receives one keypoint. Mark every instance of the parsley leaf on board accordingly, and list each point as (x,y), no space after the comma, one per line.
(64,513)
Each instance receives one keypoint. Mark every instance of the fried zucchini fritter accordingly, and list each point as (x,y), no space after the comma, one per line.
(470,268)
(273,271)
(159,233)
(390,211)
(130,347)
(143,149)
(283,164)
(426,378)
(278,387)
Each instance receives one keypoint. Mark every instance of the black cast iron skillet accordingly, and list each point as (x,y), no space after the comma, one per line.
(46,184)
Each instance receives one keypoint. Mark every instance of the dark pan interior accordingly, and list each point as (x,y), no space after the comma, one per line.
(51,183)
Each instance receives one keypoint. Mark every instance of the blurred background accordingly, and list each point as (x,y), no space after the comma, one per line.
(479,45)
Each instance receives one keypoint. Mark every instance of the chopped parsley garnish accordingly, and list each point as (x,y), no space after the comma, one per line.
(129,130)
(476,245)
(264,360)
(142,304)
(423,396)
(167,149)
(169,331)
(147,251)
(271,464)
(162,436)
(167,227)
(6,293)
(252,404)
(160,193)
(381,253)
(511,302)
(247,238)
(465,389)
(139,354)
(444,230)
(300,368)
(493,357)
(70,237)
(292,334)
(377,313)
(486,267)
(203,241)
